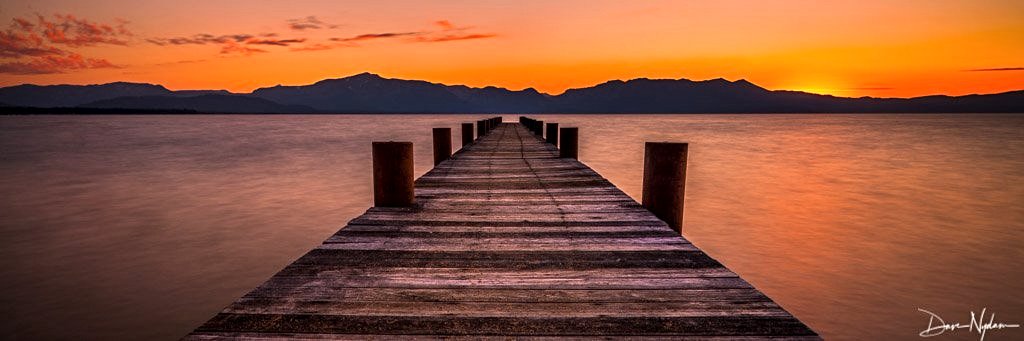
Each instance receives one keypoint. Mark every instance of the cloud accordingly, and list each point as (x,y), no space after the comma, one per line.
(453,37)
(44,45)
(72,31)
(275,42)
(447,32)
(451,32)
(15,44)
(54,64)
(186,61)
(443,31)
(308,23)
(230,43)
(315,47)
(997,69)
(23,24)
(236,48)
(445,24)
(201,39)
(372,36)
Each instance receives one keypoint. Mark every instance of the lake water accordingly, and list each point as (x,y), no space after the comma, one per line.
(143,227)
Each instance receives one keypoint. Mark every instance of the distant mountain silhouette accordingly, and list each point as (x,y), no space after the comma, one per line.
(211,103)
(370,93)
(29,95)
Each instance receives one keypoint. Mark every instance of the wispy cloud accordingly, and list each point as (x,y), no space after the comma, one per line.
(451,32)
(275,42)
(315,47)
(445,25)
(445,31)
(44,45)
(185,61)
(453,37)
(201,39)
(230,44)
(997,69)
(236,48)
(72,31)
(54,64)
(308,23)
(372,36)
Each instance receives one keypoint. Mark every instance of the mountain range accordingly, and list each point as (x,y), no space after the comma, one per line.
(370,93)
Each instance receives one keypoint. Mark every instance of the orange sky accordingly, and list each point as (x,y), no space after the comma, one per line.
(846,48)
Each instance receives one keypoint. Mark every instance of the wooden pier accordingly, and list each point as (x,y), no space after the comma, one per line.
(506,240)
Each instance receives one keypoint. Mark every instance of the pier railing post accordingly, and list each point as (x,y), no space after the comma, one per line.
(442,144)
(467,134)
(539,129)
(665,181)
(570,143)
(553,133)
(481,129)
(393,174)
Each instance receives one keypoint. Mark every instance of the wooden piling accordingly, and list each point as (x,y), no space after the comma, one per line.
(570,143)
(392,174)
(553,133)
(539,129)
(467,134)
(481,129)
(442,144)
(664,181)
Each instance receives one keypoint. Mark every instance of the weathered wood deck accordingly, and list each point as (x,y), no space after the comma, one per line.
(508,240)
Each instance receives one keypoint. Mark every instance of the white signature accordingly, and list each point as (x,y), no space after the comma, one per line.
(979,325)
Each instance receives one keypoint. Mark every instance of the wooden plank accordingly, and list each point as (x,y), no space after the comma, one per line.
(303,336)
(508,309)
(509,295)
(512,326)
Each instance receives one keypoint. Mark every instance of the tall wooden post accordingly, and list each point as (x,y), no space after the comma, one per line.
(539,128)
(553,133)
(570,143)
(392,174)
(442,144)
(665,181)
(467,134)
(480,129)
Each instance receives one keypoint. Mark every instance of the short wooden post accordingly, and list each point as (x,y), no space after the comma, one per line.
(392,174)
(665,181)
(480,129)
(467,134)
(539,129)
(442,144)
(570,143)
(553,133)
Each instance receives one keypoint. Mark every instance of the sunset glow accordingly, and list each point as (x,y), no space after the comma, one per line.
(864,48)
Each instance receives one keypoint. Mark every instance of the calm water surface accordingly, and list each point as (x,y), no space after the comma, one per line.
(136,227)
